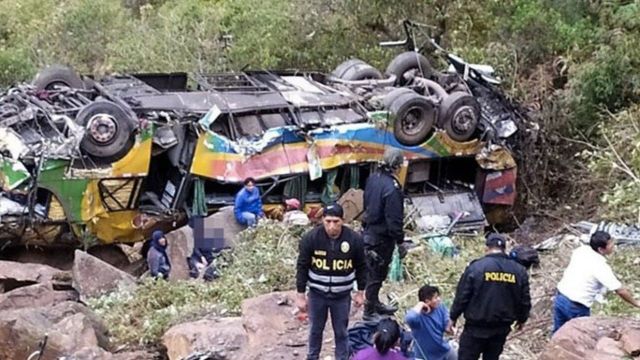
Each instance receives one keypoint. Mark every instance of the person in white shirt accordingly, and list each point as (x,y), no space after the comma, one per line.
(587,277)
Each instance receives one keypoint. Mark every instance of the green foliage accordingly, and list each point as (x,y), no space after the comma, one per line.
(263,261)
(608,83)
(422,266)
(617,160)
(624,262)
(142,316)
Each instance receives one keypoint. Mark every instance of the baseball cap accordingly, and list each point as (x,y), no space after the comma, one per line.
(496,241)
(333,210)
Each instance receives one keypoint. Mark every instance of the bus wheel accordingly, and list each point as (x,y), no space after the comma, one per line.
(108,131)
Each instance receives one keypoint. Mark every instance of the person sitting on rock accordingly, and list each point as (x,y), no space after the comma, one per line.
(157,258)
(385,341)
(248,204)
(429,321)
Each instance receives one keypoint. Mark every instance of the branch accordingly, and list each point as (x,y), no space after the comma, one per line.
(622,166)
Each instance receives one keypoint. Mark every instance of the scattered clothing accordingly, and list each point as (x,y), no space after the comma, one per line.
(157,258)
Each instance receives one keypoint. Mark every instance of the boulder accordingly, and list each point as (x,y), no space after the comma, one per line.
(14,274)
(224,221)
(69,325)
(273,314)
(631,341)
(582,338)
(35,296)
(180,246)
(93,277)
(97,353)
(224,337)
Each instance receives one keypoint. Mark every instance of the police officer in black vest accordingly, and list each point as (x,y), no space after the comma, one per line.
(330,258)
(493,293)
(383,228)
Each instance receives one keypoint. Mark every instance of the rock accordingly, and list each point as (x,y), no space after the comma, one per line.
(93,277)
(69,325)
(224,220)
(179,249)
(224,337)
(607,347)
(97,353)
(272,314)
(90,353)
(14,274)
(35,296)
(631,341)
(578,338)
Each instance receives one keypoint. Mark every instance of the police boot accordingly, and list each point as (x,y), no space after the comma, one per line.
(370,313)
(383,309)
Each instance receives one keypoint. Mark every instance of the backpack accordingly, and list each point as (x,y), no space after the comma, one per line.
(525,256)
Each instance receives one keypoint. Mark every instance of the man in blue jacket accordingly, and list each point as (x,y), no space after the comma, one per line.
(429,321)
(248,205)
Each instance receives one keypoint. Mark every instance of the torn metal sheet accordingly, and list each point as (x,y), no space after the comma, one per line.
(622,233)
(12,173)
(10,141)
(462,207)
(499,187)
(495,157)
(10,207)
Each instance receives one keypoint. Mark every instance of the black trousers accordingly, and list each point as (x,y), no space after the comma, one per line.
(378,260)
(488,342)
(320,305)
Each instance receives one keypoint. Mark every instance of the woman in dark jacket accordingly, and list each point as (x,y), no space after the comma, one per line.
(157,258)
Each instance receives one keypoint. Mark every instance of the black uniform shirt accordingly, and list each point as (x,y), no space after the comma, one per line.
(493,291)
(330,265)
(384,208)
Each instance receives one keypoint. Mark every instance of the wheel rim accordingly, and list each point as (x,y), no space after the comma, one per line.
(102,129)
(413,122)
(56,84)
(464,120)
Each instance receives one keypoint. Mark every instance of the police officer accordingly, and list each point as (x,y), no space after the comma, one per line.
(383,227)
(493,293)
(330,258)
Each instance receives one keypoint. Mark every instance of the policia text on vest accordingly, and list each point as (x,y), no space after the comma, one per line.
(500,277)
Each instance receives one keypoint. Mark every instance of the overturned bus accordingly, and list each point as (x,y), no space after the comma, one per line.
(109,160)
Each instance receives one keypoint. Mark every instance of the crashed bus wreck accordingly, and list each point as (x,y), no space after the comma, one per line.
(113,159)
